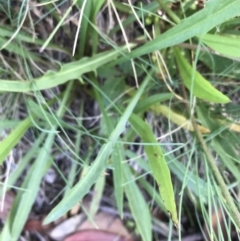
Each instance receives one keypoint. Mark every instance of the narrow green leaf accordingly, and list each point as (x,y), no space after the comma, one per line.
(69,71)
(138,206)
(84,33)
(146,103)
(13,138)
(97,6)
(226,45)
(158,165)
(98,192)
(22,36)
(5,233)
(195,184)
(9,124)
(18,50)
(83,187)
(215,13)
(23,205)
(117,158)
(23,202)
(16,174)
(104,96)
(196,83)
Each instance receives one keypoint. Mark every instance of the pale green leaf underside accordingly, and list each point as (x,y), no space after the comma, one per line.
(225,45)
(196,83)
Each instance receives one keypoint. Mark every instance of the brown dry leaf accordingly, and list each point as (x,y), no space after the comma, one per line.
(101,222)
(6,203)
(232,127)
(93,235)
(67,227)
(34,224)
(106,222)
(178,119)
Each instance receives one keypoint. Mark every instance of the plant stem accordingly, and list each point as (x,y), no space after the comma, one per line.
(230,203)
(169,12)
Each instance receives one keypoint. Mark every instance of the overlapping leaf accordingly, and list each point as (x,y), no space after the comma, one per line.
(83,187)
(69,71)
(225,45)
(138,206)
(196,83)
(177,118)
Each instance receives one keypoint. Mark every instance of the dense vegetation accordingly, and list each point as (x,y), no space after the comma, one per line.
(133,100)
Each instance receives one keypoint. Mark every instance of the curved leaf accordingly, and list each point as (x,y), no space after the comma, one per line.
(195,82)
(158,165)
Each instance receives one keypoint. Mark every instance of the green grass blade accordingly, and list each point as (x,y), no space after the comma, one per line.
(117,158)
(32,184)
(107,126)
(98,192)
(25,37)
(215,13)
(195,184)
(158,165)
(23,164)
(222,144)
(83,187)
(146,103)
(138,206)
(84,32)
(5,233)
(196,83)
(13,138)
(69,71)
(18,50)
(9,124)
(23,202)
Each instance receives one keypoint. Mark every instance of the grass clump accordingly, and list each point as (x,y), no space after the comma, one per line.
(90,87)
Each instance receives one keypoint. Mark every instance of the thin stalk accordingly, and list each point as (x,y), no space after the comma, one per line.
(168,11)
(229,201)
